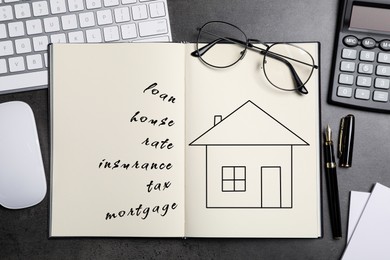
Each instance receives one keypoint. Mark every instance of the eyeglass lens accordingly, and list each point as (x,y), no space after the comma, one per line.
(219,35)
(291,69)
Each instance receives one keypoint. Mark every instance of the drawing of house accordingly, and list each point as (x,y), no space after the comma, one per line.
(249,160)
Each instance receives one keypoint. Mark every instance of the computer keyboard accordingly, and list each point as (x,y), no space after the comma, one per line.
(28,26)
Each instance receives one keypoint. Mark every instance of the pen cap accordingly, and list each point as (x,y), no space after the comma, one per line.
(346,139)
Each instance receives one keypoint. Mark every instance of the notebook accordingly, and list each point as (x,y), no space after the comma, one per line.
(369,239)
(172,148)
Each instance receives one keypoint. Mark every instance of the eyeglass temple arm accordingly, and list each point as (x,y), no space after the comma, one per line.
(207,47)
(300,86)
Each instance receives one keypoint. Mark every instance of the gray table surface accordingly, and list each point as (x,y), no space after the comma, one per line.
(24,233)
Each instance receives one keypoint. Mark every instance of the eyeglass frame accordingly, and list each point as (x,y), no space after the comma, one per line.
(249,44)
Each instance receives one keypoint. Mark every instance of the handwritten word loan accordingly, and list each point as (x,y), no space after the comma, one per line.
(154,91)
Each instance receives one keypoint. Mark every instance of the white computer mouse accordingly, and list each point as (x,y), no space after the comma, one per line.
(22,175)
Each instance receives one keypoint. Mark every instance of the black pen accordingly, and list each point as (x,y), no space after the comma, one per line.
(332,185)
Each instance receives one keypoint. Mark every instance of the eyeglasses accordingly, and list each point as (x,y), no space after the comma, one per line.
(286,66)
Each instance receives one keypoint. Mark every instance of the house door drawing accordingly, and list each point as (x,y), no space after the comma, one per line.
(249,159)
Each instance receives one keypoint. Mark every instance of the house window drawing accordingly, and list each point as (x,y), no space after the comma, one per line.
(249,159)
(233,179)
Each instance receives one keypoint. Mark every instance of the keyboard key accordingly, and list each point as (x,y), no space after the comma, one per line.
(384,57)
(163,38)
(76,37)
(58,38)
(347,66)
(40,43)
(75,5)
(16,29)
(157,9)
(23,46)
(153,27)
(22,11)
(346,79)
(365,68)
(3,32)
(57,6)
(40,8)
(125,2)
(344,92)
(34,62)
(111,33)
(94,35)
(45,59)
(111,2)
(128,31)
(380,96)
(87,19)
(6,13)
(122,14)
(22,81)
(383,70)
(6,48)
(3,66)
(16,64)
(368,43)
(51,24)
(362,94)
(34,27)
(385,45)
(367,55)
(139,12)
(69,22)
(349,54)
(104,17)
(93,4)
(363,81)
(382,83)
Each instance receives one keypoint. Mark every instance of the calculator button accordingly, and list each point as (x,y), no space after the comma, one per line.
(381,96)
(344,92)
(382,83)
(385,45)
(363,81)
(346,79)
(384,57)
(349,54)
(347,66)
(367,55)
(350,41)
(365,68)
(383,70)
(368,43)
(362,94)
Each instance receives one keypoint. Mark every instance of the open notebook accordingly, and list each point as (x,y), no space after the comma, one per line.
(172,148)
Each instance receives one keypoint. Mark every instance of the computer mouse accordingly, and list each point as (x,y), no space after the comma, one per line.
(22,175)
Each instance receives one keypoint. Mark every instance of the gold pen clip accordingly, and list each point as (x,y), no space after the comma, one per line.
(346,140)
(341,138)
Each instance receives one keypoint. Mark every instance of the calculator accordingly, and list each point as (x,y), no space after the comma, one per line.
(361,64)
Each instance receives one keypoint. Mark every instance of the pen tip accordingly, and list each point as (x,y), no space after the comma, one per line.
(328,133)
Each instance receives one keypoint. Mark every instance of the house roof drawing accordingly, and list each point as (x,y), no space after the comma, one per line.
(249,125)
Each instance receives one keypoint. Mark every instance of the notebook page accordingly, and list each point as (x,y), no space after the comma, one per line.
(252,153)
(117,140)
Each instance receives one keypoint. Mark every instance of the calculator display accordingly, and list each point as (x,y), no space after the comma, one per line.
(370,18)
